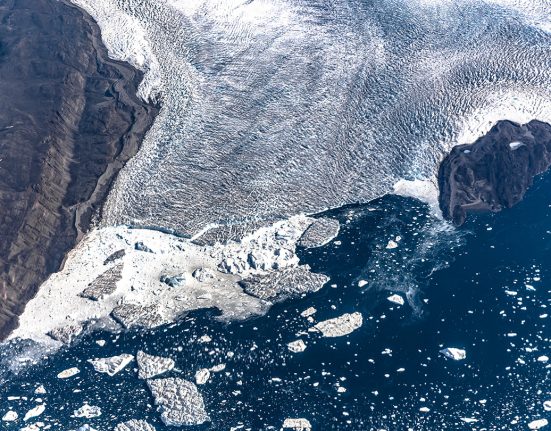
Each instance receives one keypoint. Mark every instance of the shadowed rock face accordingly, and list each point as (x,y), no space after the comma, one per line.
(495,171)
(69,120)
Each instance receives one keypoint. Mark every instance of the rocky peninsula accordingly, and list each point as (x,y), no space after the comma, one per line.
(69,121)
(494,172)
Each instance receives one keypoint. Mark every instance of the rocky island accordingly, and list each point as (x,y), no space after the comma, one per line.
(69,121)
(494,172)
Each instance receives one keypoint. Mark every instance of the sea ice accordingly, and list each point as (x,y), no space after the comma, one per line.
(278,285)
(299,424)
(391,245)
(112,365)
(515,145)
(538,424)
(202,376)
(397,299)
(310,311)
(134,425)
(10,416)
(266,258)
(180,402)
(87,411)
(319,233)
(469,420)
(40,390)
(34,412)
(218,368)
(66,334)
(340,326)
(70,372)
(454,353)
(150,366)
(297,346)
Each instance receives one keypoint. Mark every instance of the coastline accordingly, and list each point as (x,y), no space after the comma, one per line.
(86,123)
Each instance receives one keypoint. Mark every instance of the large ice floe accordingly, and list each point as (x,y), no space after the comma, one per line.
(122,277)
(339,326)
(179,401)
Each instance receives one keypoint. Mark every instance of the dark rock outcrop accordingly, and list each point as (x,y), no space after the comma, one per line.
(69,121)
(494,172)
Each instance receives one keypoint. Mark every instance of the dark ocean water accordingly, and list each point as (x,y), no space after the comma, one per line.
(483,287)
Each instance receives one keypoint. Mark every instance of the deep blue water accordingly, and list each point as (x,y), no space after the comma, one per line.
(483,287)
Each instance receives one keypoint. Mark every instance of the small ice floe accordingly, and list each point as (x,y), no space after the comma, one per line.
(547,406)
(34,427)
(297,346)
(34,412)
(469,420)
(218,368)
(40,390)
(391,245)
(538,424)
(299,424)
(397,299)
(339,326)
(10,416)
(310,311)
(454,353)
(100,343)
(87,427)
(134,425)
(515,145)
(150,366)
(70,372)
(202,376)
(204,339)
(424,410)
(362,283)
(112,365)
(544,359)
(87,411)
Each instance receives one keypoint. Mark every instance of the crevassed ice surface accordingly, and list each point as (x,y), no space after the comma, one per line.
(273,107)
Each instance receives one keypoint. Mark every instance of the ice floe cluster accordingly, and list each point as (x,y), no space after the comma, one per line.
(145,278)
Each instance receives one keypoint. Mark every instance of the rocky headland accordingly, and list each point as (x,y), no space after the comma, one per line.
(69,121)
(494,172)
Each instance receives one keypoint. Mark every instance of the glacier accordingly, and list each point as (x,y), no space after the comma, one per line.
(276,107)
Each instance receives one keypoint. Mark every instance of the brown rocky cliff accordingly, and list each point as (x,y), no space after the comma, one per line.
(494,172)
(69,121)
